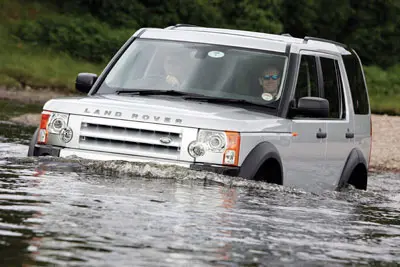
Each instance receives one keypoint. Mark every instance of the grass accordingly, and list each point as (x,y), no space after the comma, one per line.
(24,64)
(384,89)
(39,67)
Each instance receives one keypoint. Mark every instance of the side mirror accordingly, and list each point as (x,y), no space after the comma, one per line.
(312,107)
(85,81)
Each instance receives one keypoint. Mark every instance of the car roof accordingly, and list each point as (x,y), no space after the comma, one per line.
(242,38)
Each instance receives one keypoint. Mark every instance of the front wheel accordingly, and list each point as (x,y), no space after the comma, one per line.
(33,143)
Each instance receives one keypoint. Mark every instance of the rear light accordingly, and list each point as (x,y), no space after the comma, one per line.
(231,155)
(370,142)
(43,132)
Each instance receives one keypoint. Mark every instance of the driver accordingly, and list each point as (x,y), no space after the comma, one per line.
(269,82)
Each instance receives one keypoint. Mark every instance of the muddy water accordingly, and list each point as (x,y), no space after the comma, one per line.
(72,212)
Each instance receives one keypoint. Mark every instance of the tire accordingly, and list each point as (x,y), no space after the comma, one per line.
(33,143)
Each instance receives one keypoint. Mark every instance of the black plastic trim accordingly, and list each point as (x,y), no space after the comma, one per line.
(320,76)
(225,170)
(310,38)
(256,158)
(32,144)
(43,150)
(287,49)
(290,85)
(355,157)
(321,135)
(181,25)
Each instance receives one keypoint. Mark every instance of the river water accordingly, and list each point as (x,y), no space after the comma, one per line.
(73,212)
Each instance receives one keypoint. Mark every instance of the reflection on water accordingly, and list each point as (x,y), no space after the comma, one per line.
(83,213)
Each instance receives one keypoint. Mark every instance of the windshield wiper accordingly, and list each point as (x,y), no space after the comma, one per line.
(189,96)
(224,100)
(158,92)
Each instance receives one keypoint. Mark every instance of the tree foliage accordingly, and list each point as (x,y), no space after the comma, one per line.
(370,27)
(94,29)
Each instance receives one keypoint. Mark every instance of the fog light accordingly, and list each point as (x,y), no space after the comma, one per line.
(66,135)
(196,150)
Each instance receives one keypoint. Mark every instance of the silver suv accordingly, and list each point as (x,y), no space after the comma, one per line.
(260,106)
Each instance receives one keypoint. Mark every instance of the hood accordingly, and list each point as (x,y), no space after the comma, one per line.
(170,110)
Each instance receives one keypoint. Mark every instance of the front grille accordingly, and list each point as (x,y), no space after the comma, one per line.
(132,141)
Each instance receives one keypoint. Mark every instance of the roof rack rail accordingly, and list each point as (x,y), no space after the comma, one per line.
(286,34)
(180,25)
(309,38)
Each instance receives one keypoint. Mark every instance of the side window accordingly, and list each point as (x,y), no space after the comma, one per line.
(307,81)
(357,85)
(332,87)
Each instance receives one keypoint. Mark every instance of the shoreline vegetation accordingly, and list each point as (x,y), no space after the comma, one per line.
(385,153)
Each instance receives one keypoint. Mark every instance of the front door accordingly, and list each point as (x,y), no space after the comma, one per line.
(306,162)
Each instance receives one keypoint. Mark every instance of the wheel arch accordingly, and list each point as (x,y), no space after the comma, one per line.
(32,144)
(355,171)
(262,157)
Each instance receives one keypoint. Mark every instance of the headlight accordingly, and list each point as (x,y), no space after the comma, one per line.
(54,123)
(216,147)
(214,141)
(57,122)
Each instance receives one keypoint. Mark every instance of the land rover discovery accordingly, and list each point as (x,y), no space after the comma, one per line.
(274,108)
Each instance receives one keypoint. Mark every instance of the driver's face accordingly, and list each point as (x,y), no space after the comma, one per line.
(270,81)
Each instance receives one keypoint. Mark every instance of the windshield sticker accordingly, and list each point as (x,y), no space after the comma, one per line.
(216,54)
(267,96)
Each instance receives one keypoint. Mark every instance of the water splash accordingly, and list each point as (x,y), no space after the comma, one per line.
(120,168)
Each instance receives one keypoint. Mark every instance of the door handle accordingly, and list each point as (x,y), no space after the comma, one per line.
(321,135)
(349,135)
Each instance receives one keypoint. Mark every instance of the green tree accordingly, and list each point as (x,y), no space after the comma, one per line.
(374,30)
(319,18)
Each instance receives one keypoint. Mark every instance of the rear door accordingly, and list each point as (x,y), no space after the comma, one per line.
(360,104)
(340,126)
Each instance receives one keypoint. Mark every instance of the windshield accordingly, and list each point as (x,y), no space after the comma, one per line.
(208,70)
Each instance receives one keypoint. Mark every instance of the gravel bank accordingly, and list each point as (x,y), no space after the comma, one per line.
(385,155)
(29,95)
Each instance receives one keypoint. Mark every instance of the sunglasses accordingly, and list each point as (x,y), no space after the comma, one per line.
(273,77)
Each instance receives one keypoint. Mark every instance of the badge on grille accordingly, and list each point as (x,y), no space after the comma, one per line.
(165,140)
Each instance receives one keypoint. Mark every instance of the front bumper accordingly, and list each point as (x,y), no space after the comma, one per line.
(45,150)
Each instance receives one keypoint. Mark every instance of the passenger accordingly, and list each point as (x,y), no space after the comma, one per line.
(269,82)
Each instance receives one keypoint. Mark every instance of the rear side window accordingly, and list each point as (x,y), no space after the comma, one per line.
(357,85)
(332,89)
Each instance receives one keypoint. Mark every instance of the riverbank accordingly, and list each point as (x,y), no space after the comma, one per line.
(385,154)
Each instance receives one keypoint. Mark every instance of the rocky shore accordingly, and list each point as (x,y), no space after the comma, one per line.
(385,155)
